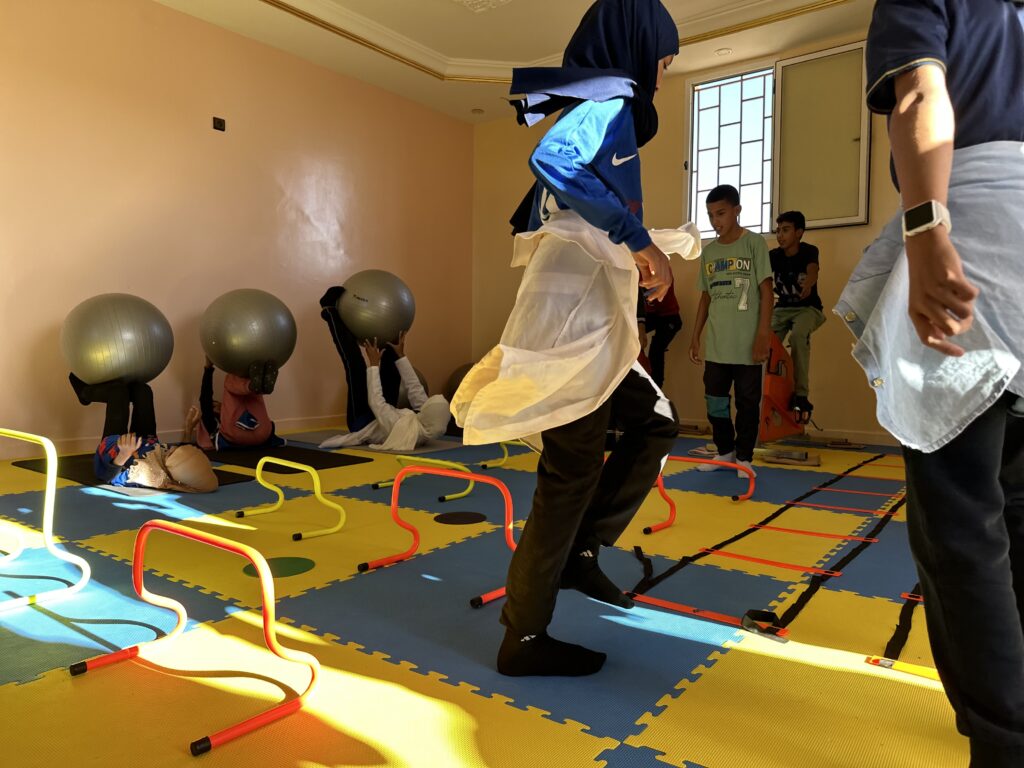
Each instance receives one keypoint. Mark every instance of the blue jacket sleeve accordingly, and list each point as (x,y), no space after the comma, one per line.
(562,161)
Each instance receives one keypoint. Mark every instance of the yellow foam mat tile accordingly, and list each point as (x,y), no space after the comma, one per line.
(855,623)
(11,532)
(917,649)
(17,480)
(704,520)
(793,705)
(835,461)
(369,533)
(366,711)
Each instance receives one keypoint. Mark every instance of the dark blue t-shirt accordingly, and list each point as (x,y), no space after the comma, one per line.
(980,44)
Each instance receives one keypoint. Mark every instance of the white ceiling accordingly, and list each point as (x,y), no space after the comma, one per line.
(447,56)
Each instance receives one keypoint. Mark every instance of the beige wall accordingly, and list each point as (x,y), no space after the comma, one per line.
(111,179)
(844,405)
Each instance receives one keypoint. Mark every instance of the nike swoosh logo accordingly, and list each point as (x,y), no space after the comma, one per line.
(617,161)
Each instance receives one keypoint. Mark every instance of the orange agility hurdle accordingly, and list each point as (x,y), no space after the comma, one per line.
(670,520)
(283,709)
(443,472)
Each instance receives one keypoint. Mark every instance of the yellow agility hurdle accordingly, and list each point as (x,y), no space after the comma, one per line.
(280,497)
(48,501)
(422,460)
(504,453)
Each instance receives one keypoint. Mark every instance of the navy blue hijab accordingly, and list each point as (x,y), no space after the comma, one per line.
(614,53)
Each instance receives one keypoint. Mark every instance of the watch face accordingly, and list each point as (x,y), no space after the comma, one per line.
(918,216)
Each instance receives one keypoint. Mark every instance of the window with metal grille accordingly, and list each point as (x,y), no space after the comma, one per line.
(732,144)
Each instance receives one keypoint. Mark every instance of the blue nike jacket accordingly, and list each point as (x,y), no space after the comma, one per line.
(588,162)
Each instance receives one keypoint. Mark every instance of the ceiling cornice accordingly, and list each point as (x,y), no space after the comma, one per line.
(362,31)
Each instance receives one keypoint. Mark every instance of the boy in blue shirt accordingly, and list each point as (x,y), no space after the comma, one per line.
(735,281)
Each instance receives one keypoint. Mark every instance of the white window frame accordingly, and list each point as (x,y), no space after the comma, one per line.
(721,73)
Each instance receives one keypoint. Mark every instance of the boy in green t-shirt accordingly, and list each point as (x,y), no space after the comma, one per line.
(736,302)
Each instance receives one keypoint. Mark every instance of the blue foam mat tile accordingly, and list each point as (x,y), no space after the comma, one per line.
(834,496)
(854,483)
(422,492)
(472,455)
(627,756)
(884,569)
(710,588)
(418,612)
(773,485)
(684,445)
(106,615)
(81,512)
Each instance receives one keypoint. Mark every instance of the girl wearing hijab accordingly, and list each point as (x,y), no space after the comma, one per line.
(567,362)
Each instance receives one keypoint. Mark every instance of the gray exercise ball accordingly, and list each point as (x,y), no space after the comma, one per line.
(403,396)
(116,336)
(376,305)
(455,380)
(247,326)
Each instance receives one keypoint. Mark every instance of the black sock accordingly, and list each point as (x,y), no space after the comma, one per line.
(541,654)
(583,574)
(79,386)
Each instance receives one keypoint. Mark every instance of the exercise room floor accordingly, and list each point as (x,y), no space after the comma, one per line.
(407,664)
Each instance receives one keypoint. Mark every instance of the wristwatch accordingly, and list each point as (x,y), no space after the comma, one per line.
(925,216)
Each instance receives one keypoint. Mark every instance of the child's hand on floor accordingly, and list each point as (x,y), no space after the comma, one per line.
(127,445)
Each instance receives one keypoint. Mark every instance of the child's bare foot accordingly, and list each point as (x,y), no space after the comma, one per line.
(191,423)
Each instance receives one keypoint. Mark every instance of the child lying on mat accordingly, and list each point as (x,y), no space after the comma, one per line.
(396,429)
(239,420)
(131,455)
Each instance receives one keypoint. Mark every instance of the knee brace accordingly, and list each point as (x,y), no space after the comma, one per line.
(718,407)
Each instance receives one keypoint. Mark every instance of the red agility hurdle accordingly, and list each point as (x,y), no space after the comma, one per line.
(668,522)
(283,709)
(423,470)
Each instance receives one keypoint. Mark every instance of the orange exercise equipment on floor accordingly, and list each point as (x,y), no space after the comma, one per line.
(777,420)
(443,472)
(671,519)
(205,744)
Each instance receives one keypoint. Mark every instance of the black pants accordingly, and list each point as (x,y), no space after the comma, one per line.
(582,500)
(664,329)
(965,518)
(719,378)
(129,407)
(357,403)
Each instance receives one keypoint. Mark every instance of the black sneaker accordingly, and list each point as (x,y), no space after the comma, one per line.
(256,378)
(269,377)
